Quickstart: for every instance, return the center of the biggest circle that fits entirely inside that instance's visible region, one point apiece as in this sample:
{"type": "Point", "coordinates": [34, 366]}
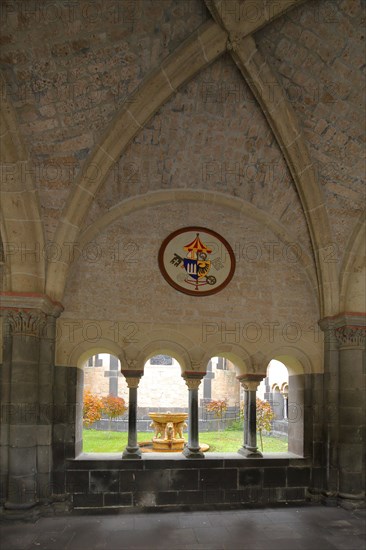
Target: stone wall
{"type": "Point", "coordinates": [156, 483]}
{"type": "Point", "coordinates": [283, 296]}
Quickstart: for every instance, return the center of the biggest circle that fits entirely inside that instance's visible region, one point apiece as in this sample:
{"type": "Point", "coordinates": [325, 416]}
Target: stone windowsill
{"type": "Point", "coordinates": [179, 457]}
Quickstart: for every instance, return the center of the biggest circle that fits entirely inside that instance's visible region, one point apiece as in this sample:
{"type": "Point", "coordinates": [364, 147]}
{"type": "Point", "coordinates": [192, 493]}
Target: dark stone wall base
{"type": "Point", "coordinates": [164, 484]}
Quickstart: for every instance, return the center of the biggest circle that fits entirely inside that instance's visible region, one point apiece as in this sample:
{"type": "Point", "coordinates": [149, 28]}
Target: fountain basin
{"type": "Point", "coordinates": [168, 428]}
{"type": "Point", "coordinates": [168, 446]}
{"type": "Point", "coordinates": [168, 417]}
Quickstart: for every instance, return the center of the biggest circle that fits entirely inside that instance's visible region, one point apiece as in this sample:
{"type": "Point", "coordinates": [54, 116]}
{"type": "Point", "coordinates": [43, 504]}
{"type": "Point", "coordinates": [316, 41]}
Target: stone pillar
{"type": "Point", "coordinates": [285, 405]}
{"type": "Point", "coordinates": [330, 401]}
{"type": "Point", "coordinates": [27, 397]}
{"type": "Point", "coordinates": [352, 421]}
{"type": "Point", "coordinates": [132, 450]}
{"type": "Point", "coordinates": [298, 416]}
{"type": "Point", "coordinates": [344, 409]}
{"type": "Point", "coordinates": [250, 384]}
{"type": "Point", "coordinates": [245, 415]}
{"type": "Point", "coordinates": [24, 330]}
{"type": "Point", "coordinates": [192, 448]}
{"type": "Point", "coordinates": [67, 428]}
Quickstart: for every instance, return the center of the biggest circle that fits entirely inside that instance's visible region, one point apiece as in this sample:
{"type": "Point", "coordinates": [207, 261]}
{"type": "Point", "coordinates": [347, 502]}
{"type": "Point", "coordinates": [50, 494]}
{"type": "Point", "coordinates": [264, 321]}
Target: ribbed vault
{"type": "Point", "coordinates": [232, 29]}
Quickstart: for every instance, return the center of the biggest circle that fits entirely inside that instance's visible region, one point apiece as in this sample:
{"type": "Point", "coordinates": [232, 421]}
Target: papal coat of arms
{"type": "Point", "coordinates": [196, 261]}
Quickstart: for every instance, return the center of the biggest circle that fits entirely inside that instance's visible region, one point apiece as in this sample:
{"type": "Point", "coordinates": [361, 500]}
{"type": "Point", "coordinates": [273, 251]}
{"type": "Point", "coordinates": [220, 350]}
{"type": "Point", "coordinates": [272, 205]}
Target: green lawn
{"type": "Point", "coordinates": [95, 441]}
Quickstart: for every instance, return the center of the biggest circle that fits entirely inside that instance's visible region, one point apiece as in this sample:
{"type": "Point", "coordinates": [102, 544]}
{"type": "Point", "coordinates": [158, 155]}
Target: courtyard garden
{"type": "Point", "coordinates": [229, 441]}
{"type": "Point", "coordinates": [225, 439]}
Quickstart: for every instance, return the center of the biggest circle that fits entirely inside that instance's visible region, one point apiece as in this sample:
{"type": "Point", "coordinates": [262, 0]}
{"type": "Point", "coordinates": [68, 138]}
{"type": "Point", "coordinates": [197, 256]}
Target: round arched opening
{"type": "Point", "coordinates": [104, 404]}
{"type": "Point", "coordinates": [274, 391]}
{"type": "Point", "coordinates": [161, 390]}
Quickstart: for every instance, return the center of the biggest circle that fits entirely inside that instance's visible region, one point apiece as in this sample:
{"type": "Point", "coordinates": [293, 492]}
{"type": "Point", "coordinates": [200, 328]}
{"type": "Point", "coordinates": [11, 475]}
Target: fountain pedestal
{"type": "Point", "coordinates": [168, 428]}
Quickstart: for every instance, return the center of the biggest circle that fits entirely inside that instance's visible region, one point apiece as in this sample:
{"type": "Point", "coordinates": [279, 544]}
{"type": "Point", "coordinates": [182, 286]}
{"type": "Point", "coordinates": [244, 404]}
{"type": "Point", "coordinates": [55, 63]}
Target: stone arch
{"type": "Point", "coordinates": [166, 347]}
{"type": "Point", "coordinates": [161, 387]}
{"type": "Point", "coordinates": [353, 290]}
{"type": "Point", "coordinates": [234, 353]}
{"type": "Point", "coordinates": [213, 197]}
{"type": "Point", "coordinates": [78, 358]}
{"type": "Point", "coordinates": [85, 349]}
{"type": "Point", "coordinates": [21, 225]}
{"type": "Point", "coordinates": [276, 379]}
{"type": "Point", "coordinates": [295, 359]}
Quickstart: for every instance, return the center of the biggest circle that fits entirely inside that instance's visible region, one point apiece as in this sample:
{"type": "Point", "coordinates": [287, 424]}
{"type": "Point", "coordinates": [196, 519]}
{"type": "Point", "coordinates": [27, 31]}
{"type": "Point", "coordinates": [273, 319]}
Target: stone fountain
{"type": "Point", "coordinates": [168, 428]}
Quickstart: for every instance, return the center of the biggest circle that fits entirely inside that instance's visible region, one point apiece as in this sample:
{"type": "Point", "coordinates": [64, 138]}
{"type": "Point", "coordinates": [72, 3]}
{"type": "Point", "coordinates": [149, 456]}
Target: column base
{"type": "Point", "coordinates": [195, 452]}
{"type": "Point", "coordinates": [131, 452]}
{"type": "Point", "coordinates": [22, 512]}
{"type": "Point", "coordinates": [20, 506]}
{"type": "Point", "coordinates": [351, 502]}
{"type": "Point", "coordinates": [250, 452]}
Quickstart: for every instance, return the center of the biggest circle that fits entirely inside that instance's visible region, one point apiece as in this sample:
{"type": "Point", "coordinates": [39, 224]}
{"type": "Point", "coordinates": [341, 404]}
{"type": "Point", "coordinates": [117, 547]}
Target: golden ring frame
{"type": "Point", "coordinates": [196, 229]}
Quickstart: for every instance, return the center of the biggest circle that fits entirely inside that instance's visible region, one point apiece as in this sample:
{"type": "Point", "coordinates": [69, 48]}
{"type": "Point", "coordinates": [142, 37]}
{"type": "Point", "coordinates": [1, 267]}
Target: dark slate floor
{"type": "Point", "coordinates": [312, 527]}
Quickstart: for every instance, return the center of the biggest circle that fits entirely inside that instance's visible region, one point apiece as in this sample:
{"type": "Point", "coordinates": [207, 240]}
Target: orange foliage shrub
{"type": "Point", "coordinates": [217, 406]}
{"type": "Point", "coordinates": [113, 406]}
{"type": "Point", "coordinates": [92, 408]}
{"type": "Point", "coordinates": [265, 415]}
{"type": "Point", "coordinates": [95, 406]}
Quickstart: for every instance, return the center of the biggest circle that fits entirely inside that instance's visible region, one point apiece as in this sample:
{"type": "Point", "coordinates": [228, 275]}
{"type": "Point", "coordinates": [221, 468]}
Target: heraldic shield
{"type": "Point", "coordinates": [196, 261]}
{"type": "Point", "coordinates": [197, 269]}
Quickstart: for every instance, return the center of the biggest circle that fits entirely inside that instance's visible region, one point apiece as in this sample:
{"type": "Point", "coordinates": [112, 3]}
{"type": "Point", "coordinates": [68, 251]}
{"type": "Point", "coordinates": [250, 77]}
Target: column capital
{"type": "Point", "coordinates": [26, 323]}
{"type": "Point", "coordinates": [251, 381]}
{"type": "Point", "coordinates": [193, 379]}
{"type": "Point", "coordinates": [345, 330]}
{"type": "Point", "coordinates": [132, 377]}
{"type": "Point", "coordinates": [346, 318]}
{"type": "Point", "coordinates": [29, 302]}
{"type": "Point", "coordinates": [351, 336]}
{"type": "Point", "coordinates": [327, 323]}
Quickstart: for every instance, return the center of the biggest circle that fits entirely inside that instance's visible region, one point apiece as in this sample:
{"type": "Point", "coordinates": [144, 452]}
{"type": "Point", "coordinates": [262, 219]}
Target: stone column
{"type": "Point", "coordinates": [285, 405]}
{"type": "Point", "coordinates": [132, 450]}
{"type": "Point", "coordinates": [24, 331]}
{"type": "Point", "coordinates": [330, 411]}
{"type": "Point", "coordinates": [192, 448]}
{"type": "Point", "coordinates": [250, 384]}
{"type": "Point", "coordinates": [27, 398]}
{"type": "Point", "coordinates": [352, 421]}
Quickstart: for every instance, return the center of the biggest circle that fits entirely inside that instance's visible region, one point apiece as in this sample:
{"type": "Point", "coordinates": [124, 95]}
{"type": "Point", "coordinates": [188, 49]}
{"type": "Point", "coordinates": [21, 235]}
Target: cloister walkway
{"type": "Point", "coordinates": [309, 527]}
